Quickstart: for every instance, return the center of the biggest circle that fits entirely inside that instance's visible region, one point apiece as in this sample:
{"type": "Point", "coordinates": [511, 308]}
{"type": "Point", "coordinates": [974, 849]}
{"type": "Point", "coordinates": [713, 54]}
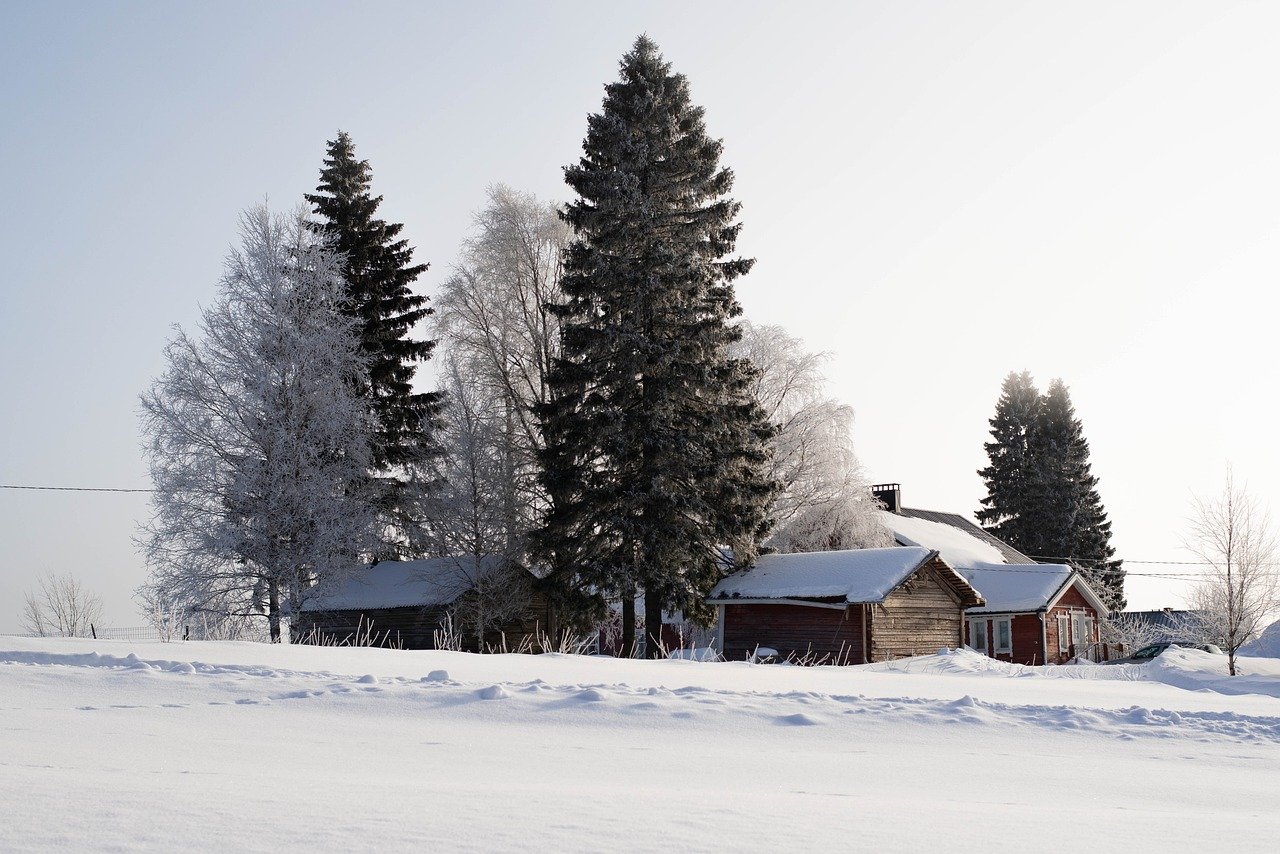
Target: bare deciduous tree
{"type": "Point", "coordinates": [825, 502]}
{"type": "Point", "coordinates": [1131, 631]}
{"type": "Point", "coordinates": [62, 607]}
{"type": "Point", "coordinates": [1232, 534]}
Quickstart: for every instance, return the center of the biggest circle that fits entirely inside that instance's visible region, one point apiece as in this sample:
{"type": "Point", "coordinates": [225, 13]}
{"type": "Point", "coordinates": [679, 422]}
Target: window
{"type": "Point", "coordinates": [978, 635]}
{"type": "Point", "coordinates": [1064, 636]}
{"type": "Point", "coordinates": [1004, 635]}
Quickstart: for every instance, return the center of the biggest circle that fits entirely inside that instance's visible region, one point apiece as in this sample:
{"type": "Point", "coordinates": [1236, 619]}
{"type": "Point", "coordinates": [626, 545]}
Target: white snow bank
{"type": "Point", "coordinates": [116, 746]}
{"type": "Point", "coordinates": [856, 575]}
{"type": "Point", "coordinates": [1266, 645]}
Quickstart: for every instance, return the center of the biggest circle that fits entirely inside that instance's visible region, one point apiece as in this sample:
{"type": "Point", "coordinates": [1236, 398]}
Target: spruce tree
{"type": "Point", "coordinates": [655, 449]}
{"type": "Point", "coordinates": [1042, 497]}
{"type": "Point", "coordinates": [1006, 476]}
{"type": "Point", "coordinates": [1064, 517]}
{"type": "Point", "coordinates": [379, 271]}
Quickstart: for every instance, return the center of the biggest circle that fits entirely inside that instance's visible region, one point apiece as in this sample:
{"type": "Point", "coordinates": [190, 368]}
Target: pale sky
{"type": "Point", "coordinates": [936, 193]}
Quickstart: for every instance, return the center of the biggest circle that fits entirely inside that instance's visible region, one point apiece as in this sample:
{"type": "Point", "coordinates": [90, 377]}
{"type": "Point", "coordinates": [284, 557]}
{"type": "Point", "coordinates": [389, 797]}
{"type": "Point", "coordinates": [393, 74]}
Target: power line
{"type": "Point", "coordinates": [72, 488]}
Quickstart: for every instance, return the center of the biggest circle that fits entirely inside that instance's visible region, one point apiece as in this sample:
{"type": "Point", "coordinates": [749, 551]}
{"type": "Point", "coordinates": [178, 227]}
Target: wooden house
{"type": "Point", "coordinates": [845, 607]}
{"type": "Point", "coordinates": [404, 603]}
{"type": "Point", "coordinates": [1035, 613]}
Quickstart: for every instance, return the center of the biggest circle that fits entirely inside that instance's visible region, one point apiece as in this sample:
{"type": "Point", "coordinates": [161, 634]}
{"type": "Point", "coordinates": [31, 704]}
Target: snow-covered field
{"type": "Point", "coordinates": [228, 746]}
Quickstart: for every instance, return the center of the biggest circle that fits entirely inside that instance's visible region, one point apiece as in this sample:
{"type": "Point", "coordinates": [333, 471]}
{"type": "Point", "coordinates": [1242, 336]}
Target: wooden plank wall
{"type": "Point", "coordinates": [918, 618]}
{"type": "Point", "coordinates": [793, 630]}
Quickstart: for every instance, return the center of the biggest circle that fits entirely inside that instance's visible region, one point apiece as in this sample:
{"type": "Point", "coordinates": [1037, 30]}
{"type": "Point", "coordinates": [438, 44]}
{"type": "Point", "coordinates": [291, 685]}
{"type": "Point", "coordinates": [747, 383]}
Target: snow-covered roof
{"type": "Point", "coordinates": [856, 575]}
{"type": "Point", "coordinates": [1006, 578]}
{"type": "Point", "coordinates": [1015, 588]}
{"type": "Point", "coordinates": [958, 546]}
{"type": "Point", "coordinates": [401, 584]}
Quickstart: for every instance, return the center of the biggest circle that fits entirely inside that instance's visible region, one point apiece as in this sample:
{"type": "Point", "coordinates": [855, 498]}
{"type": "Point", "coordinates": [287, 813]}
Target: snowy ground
{"type": "Point", "coordinates": [119, 745]}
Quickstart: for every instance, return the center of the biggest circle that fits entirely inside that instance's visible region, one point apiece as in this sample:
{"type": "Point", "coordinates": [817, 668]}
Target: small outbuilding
{"type": "Point", "coordinates": [843, 607]}
{"type": "Point", "coordinates": [404, 604]}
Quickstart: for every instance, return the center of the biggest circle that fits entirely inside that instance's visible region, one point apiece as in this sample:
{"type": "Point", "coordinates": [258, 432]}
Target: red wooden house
{"type": "Point", "coordinates": [843, 607]}
{"type": "Point", "coordinates": [1035, 614]}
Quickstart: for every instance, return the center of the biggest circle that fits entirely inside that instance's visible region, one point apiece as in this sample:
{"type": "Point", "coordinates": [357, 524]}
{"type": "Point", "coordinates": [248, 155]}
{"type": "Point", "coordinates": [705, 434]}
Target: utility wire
{"type": "Point", "coordinates": [72, 488]}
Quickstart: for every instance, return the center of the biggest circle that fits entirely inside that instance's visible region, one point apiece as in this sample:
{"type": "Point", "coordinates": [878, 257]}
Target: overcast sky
{"type": "Point", "coordinates": [936, 193]}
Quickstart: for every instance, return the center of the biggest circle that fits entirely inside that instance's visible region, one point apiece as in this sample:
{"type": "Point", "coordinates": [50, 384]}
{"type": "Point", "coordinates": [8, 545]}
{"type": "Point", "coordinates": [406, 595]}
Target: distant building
{"type": "Point", "coordinates": [403, 604]}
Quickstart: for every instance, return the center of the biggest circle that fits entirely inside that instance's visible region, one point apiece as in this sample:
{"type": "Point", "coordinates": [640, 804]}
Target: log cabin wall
{"type": "Point", "coordinates": [919, 617]}
{"type": "Point", "coordinates": [407, 628]}
{"type": "Point", "coordinates": [793, 630]}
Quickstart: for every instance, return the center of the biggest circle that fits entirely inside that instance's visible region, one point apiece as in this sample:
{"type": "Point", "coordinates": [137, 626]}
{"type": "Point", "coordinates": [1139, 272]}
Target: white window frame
{"type": "Point", "coordinates": [1064, 633]}
{"type": "Point", "coordinates": [1007, 622]}
{"type": "Point", "coordinates": [976, 626]}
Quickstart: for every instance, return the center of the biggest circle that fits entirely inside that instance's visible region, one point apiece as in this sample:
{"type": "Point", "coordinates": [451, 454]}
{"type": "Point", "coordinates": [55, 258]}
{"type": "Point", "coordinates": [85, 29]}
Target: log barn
{"type": "Point", "coordinates": [843, 607]}
{"type": "Point", "coordinates": [402, 604]}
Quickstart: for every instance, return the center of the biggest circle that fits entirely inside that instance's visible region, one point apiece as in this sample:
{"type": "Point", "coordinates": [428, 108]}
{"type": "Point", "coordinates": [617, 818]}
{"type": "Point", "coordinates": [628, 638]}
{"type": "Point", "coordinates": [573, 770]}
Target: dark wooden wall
{"type": "Point", "coordinates": [793, 630]}
{"type": "Point", "coordinates": [415, 627]}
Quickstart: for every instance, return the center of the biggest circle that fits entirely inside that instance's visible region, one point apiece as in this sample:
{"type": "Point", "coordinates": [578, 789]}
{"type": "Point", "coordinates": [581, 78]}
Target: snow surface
{"type": "Point", "coordinates": [958, 548]}
{"type": "Point", "coordinates": [398, 584]}
{"type": "Point", "coordinates": [858, 575]}
{"type": "Point", "coordinates": [1267, 644]}
{"type": "Point", "coordinates": [235, 746]}
{"type": "Point", "coordinates": [1015, 587]}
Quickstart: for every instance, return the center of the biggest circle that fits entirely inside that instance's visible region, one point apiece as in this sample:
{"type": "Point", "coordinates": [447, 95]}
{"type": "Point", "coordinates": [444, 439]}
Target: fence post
{"type": "Point", "coordinates": [93, 631]}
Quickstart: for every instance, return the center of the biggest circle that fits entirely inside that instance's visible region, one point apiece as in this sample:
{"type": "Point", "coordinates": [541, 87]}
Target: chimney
{"type": "Point", "coordinates": [888, 494]}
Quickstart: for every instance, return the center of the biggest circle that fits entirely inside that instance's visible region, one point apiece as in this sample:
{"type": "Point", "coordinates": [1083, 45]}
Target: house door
{"type": "Point", "coordinates": [1082, 634]}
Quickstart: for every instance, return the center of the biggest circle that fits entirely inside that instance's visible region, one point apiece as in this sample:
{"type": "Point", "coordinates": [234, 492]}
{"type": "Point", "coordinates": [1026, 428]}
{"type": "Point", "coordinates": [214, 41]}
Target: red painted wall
{"type": "Point", "coordinates": [793, 630]}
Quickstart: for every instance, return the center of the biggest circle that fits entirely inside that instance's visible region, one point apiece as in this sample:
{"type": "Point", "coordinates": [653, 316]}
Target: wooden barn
{"type": "Point", "coordinates": [1034, 614]}
{"type": "Point", "coordinates": [403, 604]}
{"type": "Point", "coordinates": [845, 607]}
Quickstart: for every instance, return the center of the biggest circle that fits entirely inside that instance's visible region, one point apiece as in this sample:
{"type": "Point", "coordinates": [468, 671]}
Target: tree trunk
{"type": "Point", "coordinates": [273, 609]}
{"type": "Point", "coordinates": [628, 622]}
{"type": "Point", "coordinates": [652, 626]}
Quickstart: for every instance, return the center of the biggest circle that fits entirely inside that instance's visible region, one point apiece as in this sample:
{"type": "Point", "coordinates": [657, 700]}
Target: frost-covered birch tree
{"type": "Point", "coordinates": [494, 323]}
{"type": "Point", "coordinates": [1232, 534]}
{"type": "Point", "coordinates": [257, 442]}
{"type": "Point", "coordinates": [825, 501]}
{"type": "Point", "coordinates": [476, 526]}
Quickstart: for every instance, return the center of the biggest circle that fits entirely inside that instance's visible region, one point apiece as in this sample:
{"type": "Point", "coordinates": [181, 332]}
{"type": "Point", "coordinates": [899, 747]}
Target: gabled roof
{"type": "Point", "coordinates": [402, 584]}
{"type": "Point", "coordinates": [1022, 588]}
{"type": "Point", "coordinates": [855, 576]}
{"type": "Point", "coordinates": [961, 542]}
{"type": "Point", "coordinates": [1010, 581]}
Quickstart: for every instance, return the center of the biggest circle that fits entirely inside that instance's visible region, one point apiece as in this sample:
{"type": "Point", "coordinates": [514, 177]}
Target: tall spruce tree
{"type": "Point", "coordinates": [379, 271]}
{"type": "Point", "coordinates": [1042, 497]}
{"type": "Point", "coordinates": [1006, 476]}
{"type": "Point", "coordinates": [1064, 516]}
{"type": "Point", "coordinates": [656, 451]}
